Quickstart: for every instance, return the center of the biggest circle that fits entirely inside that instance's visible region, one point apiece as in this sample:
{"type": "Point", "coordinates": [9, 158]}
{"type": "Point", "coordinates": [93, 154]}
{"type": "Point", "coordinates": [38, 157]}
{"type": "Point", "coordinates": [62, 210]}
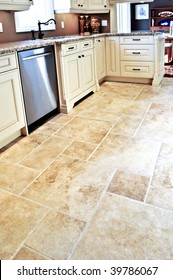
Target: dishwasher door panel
{"type": "Point", "coordinates": [38, 74]}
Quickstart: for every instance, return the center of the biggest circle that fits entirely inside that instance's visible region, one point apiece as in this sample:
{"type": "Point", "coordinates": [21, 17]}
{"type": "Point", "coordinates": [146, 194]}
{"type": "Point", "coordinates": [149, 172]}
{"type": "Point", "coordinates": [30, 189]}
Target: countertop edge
{"type": "Point", "coordinates": [11, 47]}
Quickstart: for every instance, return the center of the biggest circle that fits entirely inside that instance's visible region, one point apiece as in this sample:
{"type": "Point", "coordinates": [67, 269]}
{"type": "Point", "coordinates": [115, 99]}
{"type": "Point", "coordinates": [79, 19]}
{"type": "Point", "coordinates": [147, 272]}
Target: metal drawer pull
{"type": "Point", "coordinates": [136, 39]}
{"type": "Point", "coordinates": [86, 45]}
{"type": "Point", "coordinates": [136, 53]}
{"type": "Point", "coordinates": [136, 69]}
{"type": "Point", "coordinates": [71, 48]}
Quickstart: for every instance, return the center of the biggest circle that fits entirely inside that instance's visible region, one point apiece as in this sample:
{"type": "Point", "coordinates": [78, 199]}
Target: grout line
{"type": "Point", "coordinates": [136, 131]}
{"type": "Point", "coordinates": [149, 185]}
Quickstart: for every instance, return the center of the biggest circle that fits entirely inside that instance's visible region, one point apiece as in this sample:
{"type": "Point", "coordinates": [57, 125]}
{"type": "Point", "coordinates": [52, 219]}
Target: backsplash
{"type": "Point", "coordinates": [71, 26]}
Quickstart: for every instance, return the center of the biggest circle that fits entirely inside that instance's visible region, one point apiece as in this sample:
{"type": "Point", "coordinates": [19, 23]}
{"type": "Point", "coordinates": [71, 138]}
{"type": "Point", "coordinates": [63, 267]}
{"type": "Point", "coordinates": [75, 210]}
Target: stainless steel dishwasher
{"type": "Point", "coordinates": [39, 83]}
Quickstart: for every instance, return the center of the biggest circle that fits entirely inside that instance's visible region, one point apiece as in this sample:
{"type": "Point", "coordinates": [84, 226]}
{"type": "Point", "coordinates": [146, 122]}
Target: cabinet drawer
{"type": "Point", "coordinates": [136, 40]}
{"type": "Point", "coordinates": [7, 62]}
{"type": "Point", "coordinates": [137, 52]}
{"type": "Point", "coordinates": [70, 48]}
{"type": "Point", "coordinates": [86, 44]}
{"type": "Point", "coordinates": [137, 69]}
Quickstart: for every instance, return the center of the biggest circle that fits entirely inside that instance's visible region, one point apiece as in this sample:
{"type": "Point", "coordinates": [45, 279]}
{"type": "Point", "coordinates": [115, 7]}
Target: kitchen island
{"type": "Point", "coordinates": [82, 63]}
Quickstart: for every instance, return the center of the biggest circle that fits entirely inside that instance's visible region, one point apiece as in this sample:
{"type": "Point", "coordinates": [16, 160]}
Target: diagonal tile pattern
{"type": "Point", "coordinates": [94, 184]}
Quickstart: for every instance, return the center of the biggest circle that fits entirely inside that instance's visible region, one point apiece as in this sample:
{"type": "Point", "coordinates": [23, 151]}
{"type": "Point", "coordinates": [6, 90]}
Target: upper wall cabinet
{"type": "Point", "coordinates": [112, 2]}
{"type": "Point", "coordinates": [15, 5]}
{"type": "Point", "coordinates": [81, 6]}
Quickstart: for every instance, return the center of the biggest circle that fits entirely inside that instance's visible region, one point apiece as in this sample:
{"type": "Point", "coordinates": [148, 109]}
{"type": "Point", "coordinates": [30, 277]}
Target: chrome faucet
{"type": "Point", "coordinates": [40, 34]}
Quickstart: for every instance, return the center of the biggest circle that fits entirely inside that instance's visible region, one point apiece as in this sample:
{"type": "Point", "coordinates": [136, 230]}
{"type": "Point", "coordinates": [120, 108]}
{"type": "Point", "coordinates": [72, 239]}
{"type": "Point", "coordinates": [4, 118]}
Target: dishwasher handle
{"type": "Point", "coordinates": [36, 56]}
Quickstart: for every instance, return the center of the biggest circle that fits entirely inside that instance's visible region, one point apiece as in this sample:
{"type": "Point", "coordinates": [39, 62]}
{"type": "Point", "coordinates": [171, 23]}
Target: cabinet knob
{"type": "Point", "coordinates": [105, 6]}
{"type": "Point", "coordinates": [79, 56]}
{"type": "Point", "coordinates": [81, 5]}
{"type": "Point", "coordinates": [83, 55]}
{"type": "Point", "coordinates": [78, 5]}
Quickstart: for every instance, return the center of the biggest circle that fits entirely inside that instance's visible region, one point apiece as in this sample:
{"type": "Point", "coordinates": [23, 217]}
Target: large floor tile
{"type": "Point", "coordinates": [100, 114]}
{"type": "Point", "coordinates": [56, 235]}
{"type": "Point", "coordinates": [42, 157]}
{"type": "Point", "coordinates": [110, 104]}
{"type": "Point", "coordinates": [152, 126]}
{"type": "Point", "coordinates": [156, 94]}
{"type": "Point", "coordinates": [87, 130]}
{"type": "Point", "coordinates": [131, 154]}
{"type": "Point", "coordinates": [122, 229]}
{"type": "Point", "coordinates": [23, 147]}
{"type": "Point", "coordinates": [26, 253]}
{"type": "Point", "coordinates": [161, 190]}
{"type": "Point", "coordinates": [71, 186]}
{"type": "Point", "coordinates": [79, 150]}
{"type": "Point", "coordinates": [128, 184]}
{"type": "Point", "coordinates": [127, 125]}
{"type": "Point", "coordinates": [18, 219]}
{"type": "Point", "coordinates": [15, 178]}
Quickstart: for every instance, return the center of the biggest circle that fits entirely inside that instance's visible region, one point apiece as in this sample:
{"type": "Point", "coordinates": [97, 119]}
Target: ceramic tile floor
{"type": "Point", "coordinates": [94, 184]}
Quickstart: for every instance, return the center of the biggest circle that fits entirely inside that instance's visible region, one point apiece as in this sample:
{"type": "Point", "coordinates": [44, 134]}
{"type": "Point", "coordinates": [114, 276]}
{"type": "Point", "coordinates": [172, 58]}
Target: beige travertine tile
{"type": "Point", "coordinates": [48, 128]}
{"type": "Point", "coordinates": [152, 126]}
{"type": "Point", "coordinates": [79, 150]}
{"type": "Point", "coordinates": [23, 147]}
{"type": "Point", "coordinates": [56, 235]}
{"type": "Point", "coordinates": [121, 87]}
{"type": "Point", "coordinates": [160, 196]}
{"type": "Point", "coordinates": [26, 253]}
{"type": "Point", "coordinates": [127, 125]}
{"type": "Point", "coordinates": [100, 114]}
{"type": "Point", "coordinates": [136, 108]}
{"type": "Point", "coordinates": [159, 107]}
{"type": "Point", "coordinates": [62, 119]}
{"type": "Point", "coordinates": [15, 178]}
{"type": "Point", "coordinates": [136, 155]}
{"type": "Point", "coordinates": [127, 230]}
{"type": "Point", "coordinates": [109, 104]}
{"type": "Point", "coordinates": [130, 185]}
{"type": "Point", "coordinates": [18, 218]}
{"type": "Point", "coordinates": [129, 94]}
{"type": "Point", "coordinates": [161, 190]}
{"type": "Point", "coordinates": [41, 157]}
{"type": "Point", "coordinates": [156, 94]}
{"type": "Point", "coordinates": [82, 129]}
{"type": "Point", "coordinates": [71, 186]}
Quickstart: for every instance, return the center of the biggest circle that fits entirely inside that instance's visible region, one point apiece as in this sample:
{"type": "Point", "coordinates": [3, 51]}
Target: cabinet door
{"type": "Point", "coordinates": [98, 4]}
{"type": "Point", "coordinates": [71, 76]}
{"type": "Point", "coordinates": [78, 4]}
{"type": "Point", "coordinates": [100, 58]}
{"type": "Point", "coordinates": [15, 5]}
{"type": "Point", "coordinates": [11, 106]}
{"type": "Point", "coordinates": [22, 2]}
{"type": "Point", "coordinates": [112, 56]}
{"type": "Point", "coordinates": [87, 73]}
{"type": "Point", "coordinates": [5, 1]}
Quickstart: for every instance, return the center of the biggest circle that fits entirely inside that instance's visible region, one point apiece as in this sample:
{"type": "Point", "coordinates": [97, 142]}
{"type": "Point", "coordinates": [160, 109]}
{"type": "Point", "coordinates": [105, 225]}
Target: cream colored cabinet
{"type": "Point", "coordinates": [78, 4]}
{"type": "Point", "coordinates": [77, 72]}
{"type": "Point", "coordinates": [113, 56]}
{"type": "Point", "coordinates": [97, 5]}
{"type": "Point", "coordinates": [11, 102]}
{"type": "Point", "coordinates": [100, 55]}
{"type": "Point", "coordinates": [84, 6]}
{"type": "Point", "coordinates": [137, 56]}
{"type": "Point", "coordinates": [16, 5]}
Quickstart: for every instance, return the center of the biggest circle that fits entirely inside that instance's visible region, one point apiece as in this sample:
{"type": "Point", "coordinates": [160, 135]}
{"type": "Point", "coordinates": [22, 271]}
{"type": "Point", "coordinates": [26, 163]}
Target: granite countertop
{"type": "Point", "coordinates": [30, 44]}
